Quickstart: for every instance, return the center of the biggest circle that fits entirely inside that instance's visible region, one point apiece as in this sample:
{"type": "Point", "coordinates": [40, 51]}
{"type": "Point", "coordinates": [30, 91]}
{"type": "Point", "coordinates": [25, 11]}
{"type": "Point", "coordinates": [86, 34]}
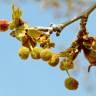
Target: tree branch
{"type": "Point", "coordinates": [63, 25]}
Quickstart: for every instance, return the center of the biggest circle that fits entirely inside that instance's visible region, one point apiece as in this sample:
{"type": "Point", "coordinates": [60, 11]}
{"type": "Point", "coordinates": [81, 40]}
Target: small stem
{"type": "Point", "coordinates": [70, 21]}
{"type": "Point", "coordinates": [87, 13]}
{"type": "Point", "coordinates": [89, 67]}
{"type": "Point", "coordinates": [31, 48]}
{"type": "Point", "coordinates": [68, 73]}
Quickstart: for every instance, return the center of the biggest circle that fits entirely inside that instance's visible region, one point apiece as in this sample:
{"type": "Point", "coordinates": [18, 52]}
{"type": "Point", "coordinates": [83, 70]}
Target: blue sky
{"type": "Point", "coordinates": [36, 78]}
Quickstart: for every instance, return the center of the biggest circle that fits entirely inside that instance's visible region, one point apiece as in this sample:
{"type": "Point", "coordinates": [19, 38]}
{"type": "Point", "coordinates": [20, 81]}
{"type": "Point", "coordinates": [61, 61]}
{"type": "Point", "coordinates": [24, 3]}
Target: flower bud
{"type": "Point", "coordinates": [54, 60]}
{"type": "Point", "coordinates": [35, 53]}
{"type": "Point", "coordinates": [45, 54]}
{"type": "Point", "coordinates": [24, 53]}
{"type": "Point", "coordinates": [4, 25]}
{"type": "Point", "coordinates": [66, 65]}
{"type": "Point", "coordinates": [71, 83]}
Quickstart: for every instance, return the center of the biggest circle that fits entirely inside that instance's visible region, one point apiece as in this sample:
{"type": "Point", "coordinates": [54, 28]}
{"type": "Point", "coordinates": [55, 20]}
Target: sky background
{"type": "Point", "coordinates": [36, 78]}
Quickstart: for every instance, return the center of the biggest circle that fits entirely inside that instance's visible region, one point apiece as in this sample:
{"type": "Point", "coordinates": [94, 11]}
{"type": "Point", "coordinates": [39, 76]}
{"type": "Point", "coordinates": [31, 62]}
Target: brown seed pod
{"type": "Point", "coordinates": [71, 83]}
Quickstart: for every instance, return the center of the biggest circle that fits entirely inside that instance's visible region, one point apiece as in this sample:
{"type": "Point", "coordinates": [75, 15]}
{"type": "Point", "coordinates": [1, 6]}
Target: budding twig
{"type": "Point", "coordinates": [63, 25]}
{"type": "Point", "coordinates": [29, 38]}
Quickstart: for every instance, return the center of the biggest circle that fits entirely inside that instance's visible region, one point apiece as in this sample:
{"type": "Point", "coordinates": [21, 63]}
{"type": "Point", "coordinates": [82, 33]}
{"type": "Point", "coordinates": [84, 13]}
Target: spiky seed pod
{"type": "Point", "coordinates": [71, 83]}
{"type": "Point", "coordinates": [66, 65]}
{"type": "Point", "coordinates": [24, 53]}
{"type": "Point", "coordinates": [35, 53]}
{"type": "Point", "coordinates": [54, 60]}
{"type": "Point", "coordinates": [45, 54]}
{"type": "Point", "coordinates": [4, 25]}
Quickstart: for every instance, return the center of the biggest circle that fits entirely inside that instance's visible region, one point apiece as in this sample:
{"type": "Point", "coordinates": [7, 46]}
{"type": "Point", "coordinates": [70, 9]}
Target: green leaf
{"type": "Point", "coordinates": [16, 12]}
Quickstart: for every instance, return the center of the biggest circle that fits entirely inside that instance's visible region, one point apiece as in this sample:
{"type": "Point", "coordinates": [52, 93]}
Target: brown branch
{"type": "Point", "coordinates": [63, 25]}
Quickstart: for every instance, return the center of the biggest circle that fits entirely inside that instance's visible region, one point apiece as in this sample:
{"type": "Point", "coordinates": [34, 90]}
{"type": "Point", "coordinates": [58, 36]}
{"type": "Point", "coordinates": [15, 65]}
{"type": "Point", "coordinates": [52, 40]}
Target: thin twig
{"type": "Point", "coordinates": [63, 25]}
{"type": "Point", "coordinates": [68, 73]}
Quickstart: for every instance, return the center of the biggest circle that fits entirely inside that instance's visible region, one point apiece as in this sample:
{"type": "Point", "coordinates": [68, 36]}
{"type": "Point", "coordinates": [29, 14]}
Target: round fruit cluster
{"type": "Point", "coordinates": [52, 59]}
{"type": "Point", "coordinates": [39, 53]}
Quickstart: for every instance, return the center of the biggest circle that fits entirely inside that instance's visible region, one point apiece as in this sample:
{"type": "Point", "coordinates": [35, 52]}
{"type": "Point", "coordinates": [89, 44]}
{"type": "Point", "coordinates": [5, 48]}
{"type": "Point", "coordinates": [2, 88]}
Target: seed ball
{"type": "Point", "coordinates": [35, 53]}
{"type": "Point", "coordinates": [4, 25]}
{"type": "Point", "coordinates": [24, 53]}
{"type": "Point", "coordinates": [54, 60]}
{"type": "Point", "coordinates": [45, 54]}
{"type": "Point", "coordinates": [66, 65]}
{"type": "Point", "coordinates": [71, 83]}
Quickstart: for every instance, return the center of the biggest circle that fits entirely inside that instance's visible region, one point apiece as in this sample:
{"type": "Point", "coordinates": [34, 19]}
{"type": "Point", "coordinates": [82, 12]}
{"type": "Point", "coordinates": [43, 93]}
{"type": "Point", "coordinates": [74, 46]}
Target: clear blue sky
{"type": "Point", "coordinates": [36, 78]}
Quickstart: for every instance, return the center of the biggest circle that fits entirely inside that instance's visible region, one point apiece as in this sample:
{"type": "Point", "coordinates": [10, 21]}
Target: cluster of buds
{"type": "Point", "coordinates": [30, 37]}
{"type": "Point", "coordinates": [39, 53]}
